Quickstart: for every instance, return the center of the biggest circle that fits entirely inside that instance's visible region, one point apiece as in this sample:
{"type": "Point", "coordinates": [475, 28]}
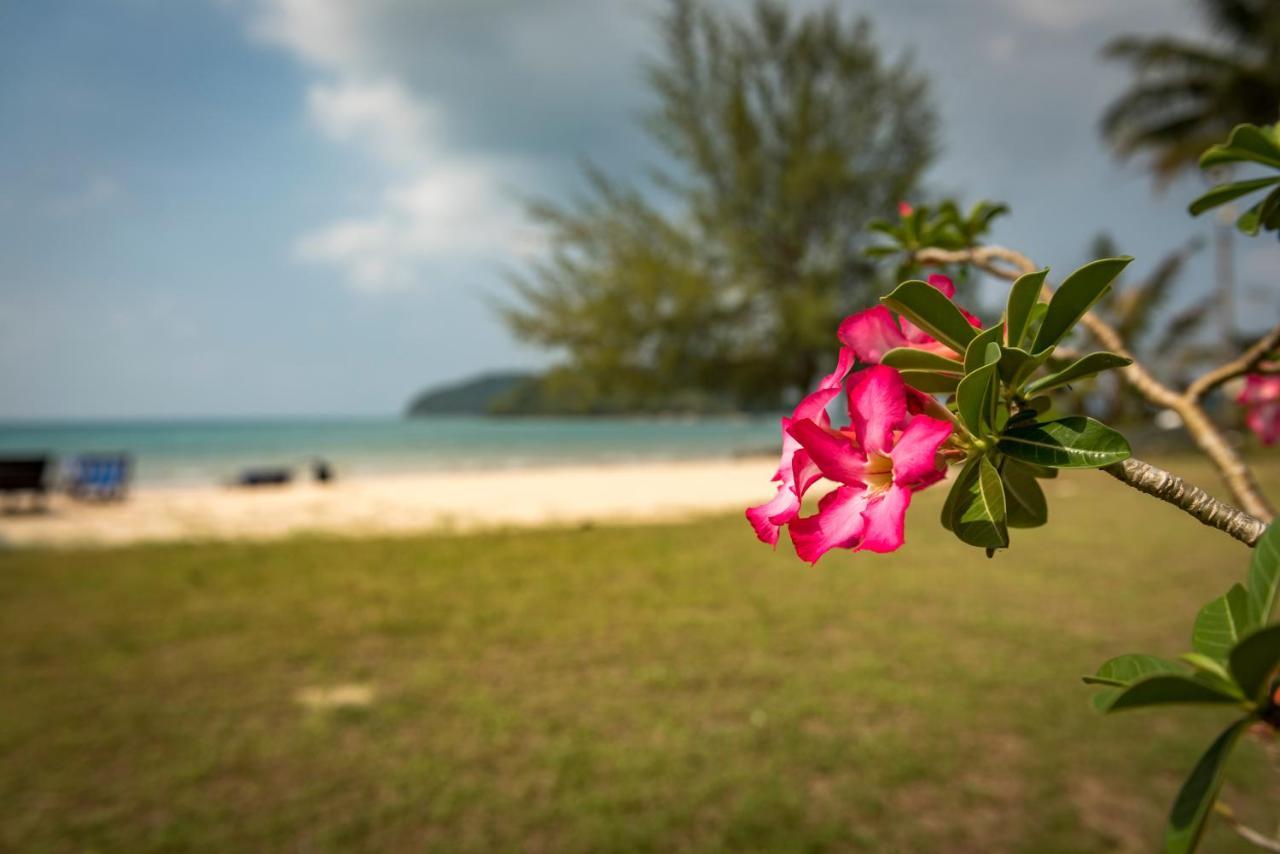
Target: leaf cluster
{"type": "Point", "coordinates": [1247, 144]}
{"type": "Point", "coordinates": [943, 226]}
{"type": "Point", "coordinates": [998, 388]}
{"type": "Point", "coordinates": [1235, 653]}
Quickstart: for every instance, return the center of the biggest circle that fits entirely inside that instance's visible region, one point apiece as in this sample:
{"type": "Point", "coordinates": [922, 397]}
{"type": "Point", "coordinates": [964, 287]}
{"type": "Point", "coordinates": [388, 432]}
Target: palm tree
{"type": "Point", "coordinates": [1187, 95]}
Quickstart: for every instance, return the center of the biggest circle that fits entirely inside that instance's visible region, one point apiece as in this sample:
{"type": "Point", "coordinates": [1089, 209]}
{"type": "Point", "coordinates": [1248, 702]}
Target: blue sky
{"type": "Point", "coordinates": [283, 207]}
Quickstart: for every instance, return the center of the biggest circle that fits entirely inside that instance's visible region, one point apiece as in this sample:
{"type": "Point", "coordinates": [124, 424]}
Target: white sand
{"type": "Point", "coordinates": [403, 504]}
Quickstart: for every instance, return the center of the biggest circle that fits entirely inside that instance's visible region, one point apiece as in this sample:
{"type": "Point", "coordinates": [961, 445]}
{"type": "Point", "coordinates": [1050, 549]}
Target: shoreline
{"type": "Point", "coordinates": [402, 503]}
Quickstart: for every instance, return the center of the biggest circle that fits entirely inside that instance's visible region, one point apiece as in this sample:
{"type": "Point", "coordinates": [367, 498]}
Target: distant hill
{"type": "Point", "coordinates": [475, 396]}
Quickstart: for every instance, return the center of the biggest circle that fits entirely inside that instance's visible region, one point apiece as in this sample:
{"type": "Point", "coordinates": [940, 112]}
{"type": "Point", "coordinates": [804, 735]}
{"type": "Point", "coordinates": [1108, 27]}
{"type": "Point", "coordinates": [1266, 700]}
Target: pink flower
{"type": "Point", "coordinates": [768, 518]}
{"type": "Point", "coordinates": [1261, 399]}
{"type": "Point", "coordinates": [905, 209]}
{"type": "Point", "coordinates": [887, 453]}
{"type": "Point", "coordinates": [874, 332]}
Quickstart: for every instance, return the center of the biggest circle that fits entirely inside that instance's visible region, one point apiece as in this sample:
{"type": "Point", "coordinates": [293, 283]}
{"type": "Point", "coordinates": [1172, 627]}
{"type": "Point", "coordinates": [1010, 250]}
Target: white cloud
{"type": "Point", "coordinates": [440, 204]}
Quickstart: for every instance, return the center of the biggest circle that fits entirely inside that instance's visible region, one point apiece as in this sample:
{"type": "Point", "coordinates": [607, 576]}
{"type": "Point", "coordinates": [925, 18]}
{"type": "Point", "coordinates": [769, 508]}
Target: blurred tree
{"type": "Point", "coordinates": [1187, 95]}
{"type": "Point", "coordinates": [787, 134]}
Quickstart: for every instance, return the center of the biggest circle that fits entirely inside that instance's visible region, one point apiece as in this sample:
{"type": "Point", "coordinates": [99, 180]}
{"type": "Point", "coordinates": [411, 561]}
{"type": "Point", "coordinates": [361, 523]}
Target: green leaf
{"type": "Point", "coordinates": [927, 308]}
{"type": "Point", "coordinates": [1221, 623]}
{"type": "Point", "coordinates": [978, 513]}
{"type": "Point", "coordinates": [1041, 472]}
{"type": "Point", "coordinates": [1224, 193]}
{"type": "Point", "coordinates": [1074, 297]}
{"type": "Point", "coordinates": [975, 397]}
{"type": "Point", "coordinates": [1269, 213]}
{"type": "Point", "coordinates": [975, 355]}
{"type": "Point", "coordinates": [1023, 295]}
{"type": "Point", "coordinates": [1166, 689]}
{"type": "Point", "coordinates": [1017, 364]}
{"type": "Point", "coordinates": [1254, 659]}
{"type": "Point", "coordinates": [1124, 670]}
{"type": "Point", "coordinates": [1085, 366]}
{"type": "Point", "coordinates": [1212, 669]}
{"type": "Point", "coordinates": [1251, 220]}
{"type": "Point", "coordinates": [1196, 797]}
{"type": "Point", "coordinates": [1264, 573]}
{"type": "Point", "coordinates": [1246, 143]}
{"type": "Point", "coordinates": [931, 382]}
{"type": "Point", "coordinates": [958, 488]}
{"type": "Point", "coordinates": [1024, 499]}
{"type": "Point", "coordinates": [909, 358]}
{"type": "Point", "coordinates": [1074, 442]}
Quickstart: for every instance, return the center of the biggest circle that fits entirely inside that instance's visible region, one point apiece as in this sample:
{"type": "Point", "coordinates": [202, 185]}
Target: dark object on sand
{"type": "Point", "coordinates": [24, 474]}
{"type": "Point", "coordinates": [103, 477]}
{"type": "Point", "coordinates": [321, 470]}
{"type": "Point", "coordinates": [264, 477]}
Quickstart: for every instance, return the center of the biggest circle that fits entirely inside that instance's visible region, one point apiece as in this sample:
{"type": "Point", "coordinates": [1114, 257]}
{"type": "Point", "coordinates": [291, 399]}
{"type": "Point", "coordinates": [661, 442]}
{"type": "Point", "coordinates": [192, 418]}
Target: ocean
{"type": "Point", "coordinates": [182, 452]}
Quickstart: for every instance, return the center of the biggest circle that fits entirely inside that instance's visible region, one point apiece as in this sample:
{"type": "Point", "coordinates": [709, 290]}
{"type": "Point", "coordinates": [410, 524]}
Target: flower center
{"type": "Point", "coordinates": [878, 472]}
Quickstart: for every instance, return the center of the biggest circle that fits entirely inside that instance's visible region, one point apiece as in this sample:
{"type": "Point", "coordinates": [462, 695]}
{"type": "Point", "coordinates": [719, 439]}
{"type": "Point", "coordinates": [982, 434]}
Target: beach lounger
{"type": "Point", "coordinates": [264, 477]}
{"type": "Point", "coordinates": [102, 477]}
{"type": "Point", "coordinates": [19, 475]}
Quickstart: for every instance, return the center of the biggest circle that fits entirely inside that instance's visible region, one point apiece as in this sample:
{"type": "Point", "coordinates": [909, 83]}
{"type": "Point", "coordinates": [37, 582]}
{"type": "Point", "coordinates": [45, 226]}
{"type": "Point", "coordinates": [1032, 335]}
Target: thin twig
{"type": "Point", "coordinates": [1193, 500]}
{"type": "Point", "coordinates": [1254, 837]}
{"type": "Point", "coordinates": [1009, 264]}
{"type": "Point", "coordinates": [1247, 363]}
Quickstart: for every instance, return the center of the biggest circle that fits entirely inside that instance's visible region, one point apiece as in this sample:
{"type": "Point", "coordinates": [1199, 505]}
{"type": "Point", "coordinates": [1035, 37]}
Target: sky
{"type": "Point", "coordinates": [310, 207]}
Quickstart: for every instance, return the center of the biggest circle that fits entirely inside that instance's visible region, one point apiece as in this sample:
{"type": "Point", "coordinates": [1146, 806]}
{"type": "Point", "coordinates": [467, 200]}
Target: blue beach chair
{"type": "Point", "coordinates": [103, 477]}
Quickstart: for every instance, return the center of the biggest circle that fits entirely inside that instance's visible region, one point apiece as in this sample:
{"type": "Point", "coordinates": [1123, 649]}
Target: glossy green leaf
{"type": "Point", "coordinates": [1024, 499]}
{"type": "Point", "coordinates": [1085, 366]}
{"type": "Point", "coordinates": [1254, 659]}
{"type": "Point", "coordinates": [978, 513]}
{"type": "Point", "coordinates": [976, 354]}
{"type": "Point", "coordinates": [1016, 365]}
{"type": "Point", "coordinates": [910, 358]}
{"type": "Point", "coordinates": [1124, 670]}
{"type": "Point", "coordinates": [932, 382]}
{"type": "Point", "coordinates": [1246, 143]}
{"type": "Point", "coordinates": [1195, 799]}
{"type": "Point", "coordinates": [1221, 623]}
{"type": "Point", "coordinates": [1166, 689]}
{"type": "Point", "coordinates": [1074, 442]}
{"type": "Point", "coordinates": [976, 394]}
{"type": "Point", "coordinates": [958, 488]}
{"type": "Point", "coordinates": [1074, 297]}
{"type": "Point", "coordinates": [927, 308]}
{"type": "Point", "coordinates": [1212, 669]}
{"type": "Point", "coordinates": [1251, 220]}
{"type": "Point", "coordinates": [1264, 573]}
{"type": "Point", "coordinates": [1224, 193]}
{"type": "Point", "coordinates": [1023, 295]}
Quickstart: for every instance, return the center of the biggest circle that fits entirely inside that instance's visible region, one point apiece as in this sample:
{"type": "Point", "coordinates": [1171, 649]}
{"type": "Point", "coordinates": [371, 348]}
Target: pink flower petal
{"type": "Point", "coordinates": [885, 519]}
{"type": "Point", "coordinates": [837, 524]}
{"type": "Point", "coordinates": [1264, 420]}
{"type": "Point", "coordinates": [871, 333]}
{"type": "Point", "coordinates": [944, 284]}
{"type": "Point", "coordinates": [767, 518]}
{"type": "Point", "coordinates": [844, 364]}
{"type": "Point", "coordinates": [915, 454]}
{"type": "Point", "coordinates": [833, 454]}
{"type": "Point", "coordinates": [805, 473]}
{"type": "Point", "coordinates": [877, 407]}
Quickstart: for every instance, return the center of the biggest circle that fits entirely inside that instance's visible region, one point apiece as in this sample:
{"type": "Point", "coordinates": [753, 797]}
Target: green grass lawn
{"type": "Point", "coordinates": [628, 688]}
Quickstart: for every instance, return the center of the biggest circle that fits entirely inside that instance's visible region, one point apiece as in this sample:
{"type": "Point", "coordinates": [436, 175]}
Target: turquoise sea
{"type": "Point", "coordinates": [212, 451]}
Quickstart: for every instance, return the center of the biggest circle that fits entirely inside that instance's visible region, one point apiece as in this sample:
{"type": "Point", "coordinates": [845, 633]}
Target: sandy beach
{"type": "Point", "coordinates": [401, 504]}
